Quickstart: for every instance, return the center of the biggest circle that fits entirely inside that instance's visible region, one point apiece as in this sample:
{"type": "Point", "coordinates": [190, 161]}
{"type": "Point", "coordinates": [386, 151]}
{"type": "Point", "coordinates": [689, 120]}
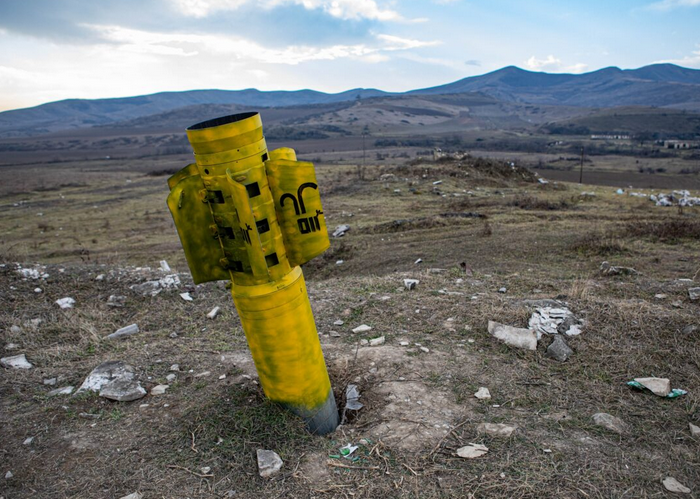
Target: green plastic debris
{"type": "Point", "coordinates": [676, 392]}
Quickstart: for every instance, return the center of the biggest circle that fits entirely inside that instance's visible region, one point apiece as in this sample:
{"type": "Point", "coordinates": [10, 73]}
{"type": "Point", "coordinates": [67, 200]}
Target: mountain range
{"type": "Point", "coordinates": [658, 85]}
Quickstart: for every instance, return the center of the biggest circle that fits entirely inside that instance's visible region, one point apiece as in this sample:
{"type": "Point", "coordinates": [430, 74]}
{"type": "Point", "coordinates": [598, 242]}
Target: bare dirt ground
{"type": "Point", "coordinates": [483, 227]}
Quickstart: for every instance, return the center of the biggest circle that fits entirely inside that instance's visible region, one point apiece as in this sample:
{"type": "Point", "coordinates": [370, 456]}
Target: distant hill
{"type": "Point", "coordinates": [659, 85]}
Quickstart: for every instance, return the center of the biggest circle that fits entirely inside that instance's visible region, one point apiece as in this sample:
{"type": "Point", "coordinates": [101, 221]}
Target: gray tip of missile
{"type": "Point", "coordinates": [325, 419]}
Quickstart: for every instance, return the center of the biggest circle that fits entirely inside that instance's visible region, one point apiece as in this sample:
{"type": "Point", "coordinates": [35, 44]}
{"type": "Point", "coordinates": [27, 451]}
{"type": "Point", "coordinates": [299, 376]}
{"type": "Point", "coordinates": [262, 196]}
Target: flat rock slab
{"type": "Point", "coordinates": [269, 462]}
{"type": "Point", "coordinates": [514, 336]}
{"type": "Point", "coordinates": [610, 422]}
{"type": "Point", "coordinates": [472, 451]}
{"type": "Point", "coordinates": [66, 390]}
{"type": "Point", "coordinates": [123, 390]}
{"type": "Point", "coordinates": [105, 373]}
{"type": "Point", "coordinates": [16, 362]}
{"type": "Point", "coordinates": [496, 429]}
{"type": "Point", "coordinates": [694, 294]}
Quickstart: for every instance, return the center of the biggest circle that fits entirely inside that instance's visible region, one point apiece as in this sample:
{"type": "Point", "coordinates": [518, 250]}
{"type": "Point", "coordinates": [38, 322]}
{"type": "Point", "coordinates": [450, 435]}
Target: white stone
{"type": "Point", "coordinates": [104, 373]}
{"type": "Point", "coordinates": [8, 475]}
{"type": "Point", "coordinates": [610, 422]}
{"type": "Point", "coordinates": [375, 342]}
{"type": "Point", "coordinates": [362, 329]}
{"type": "Point", "coordinates": [28, 441]}
{"type": "Point", "coordinates": [694, 430]}
{"type": "Point", "coordinates": [134, 495]}
{"type": "Point", "coordinates": [164, 266]}
{"type": "Point", "coordinates": [496, 429]}
{"type": "Point", "coordinates": [159, 389]}
{"type": "Point", "coordinates": [673, 485]}
{"type": "Point", "coordinates": [38, 290]}
{"type": "Point", "coordinates": [170, 378]}
{"type": "Point", "coordinates": [404, 343]}
{"type": "Point", "coordinates": [11, 346]}
{"type": "Point", "coordinates": [483, 393]}
{"type": "Point", "coordinates": [338, 323]}
{"type": "Point", "coordinates": [694, 294]}
{"type": "Point", "coordinates": [50, 381]}
{"type": "Point", "coordinates": [66, 302]}
{"type": "Point", "coordinates": [175, 367]}
{"type": "Point", "coordinates": [513, 336]}
{"type": "Point", "coordinates": [203, 374]}
{"type": "Point", "coordinates": [66, 390]}
{"type": "Point", "coordinates": [269, 462]}
{"type": "Point", "coordinates": [186, 296]}
{"type": "Point", "coordinates": [425, 349]}
{"type": "Point", "coordinates": [472, 451]}
{"type": "Point", "coordinates": [658, 386]}
{"type": "Point", "coordinates": [16, 362]}
{"type": "Point", "coordinates": [213, 313]}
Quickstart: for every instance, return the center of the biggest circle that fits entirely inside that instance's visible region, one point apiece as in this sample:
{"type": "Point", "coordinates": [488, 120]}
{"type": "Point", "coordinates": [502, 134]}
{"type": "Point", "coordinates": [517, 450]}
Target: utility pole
{"type": "Point", "coordinates": [580, 173]}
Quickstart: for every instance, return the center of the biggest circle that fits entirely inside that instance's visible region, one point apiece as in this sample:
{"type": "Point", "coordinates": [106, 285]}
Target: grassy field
{"type": "Point", "coordinates": [485, 227]}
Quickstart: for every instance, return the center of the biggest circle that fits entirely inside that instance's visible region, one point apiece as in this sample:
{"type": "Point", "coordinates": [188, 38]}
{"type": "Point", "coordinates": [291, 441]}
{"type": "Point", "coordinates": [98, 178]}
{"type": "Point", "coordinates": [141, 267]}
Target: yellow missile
{"type": "Point", "coordinates": [253, 217]}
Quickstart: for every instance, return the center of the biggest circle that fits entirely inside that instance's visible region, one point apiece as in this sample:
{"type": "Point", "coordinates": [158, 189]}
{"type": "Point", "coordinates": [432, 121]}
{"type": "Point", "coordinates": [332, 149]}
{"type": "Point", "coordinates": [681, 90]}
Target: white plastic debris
{"type": "Point", "coordinates": [420, 260]}
{"type": "Point", "coordinates": [269, 462]}
{"type": "Point", "coordinates": [340, 230]}
{"type": "Point", "coordinates": [214, 312]}
{"type": "Point", "coordinates": [159, 389]}
{"type": "Point", "coordinates": [66, 302]}
{"type": "Point", "coordinates": [124, 332]}
{"type": "Point", "coordinates": [551, 320]}
{"type": "Point", "coordinates": [164, 266]}
{"type": "Point", "coordinates": [352, 398]}
{"type": "Point", "coordinates": [410, 284]}
{"type": "Point", "coordinates": [472, 451]}
{"type": "Point", "coordinates": [347, 450]}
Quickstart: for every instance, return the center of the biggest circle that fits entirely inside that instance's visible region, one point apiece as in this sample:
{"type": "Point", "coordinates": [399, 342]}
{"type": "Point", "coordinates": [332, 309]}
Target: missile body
{"type": "Point", "coordinates": [253, 217]}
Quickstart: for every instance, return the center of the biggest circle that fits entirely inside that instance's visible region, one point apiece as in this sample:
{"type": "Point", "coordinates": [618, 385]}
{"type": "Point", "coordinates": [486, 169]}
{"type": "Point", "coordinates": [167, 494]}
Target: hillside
{"type": "Point", "coordinates": [661, 85]}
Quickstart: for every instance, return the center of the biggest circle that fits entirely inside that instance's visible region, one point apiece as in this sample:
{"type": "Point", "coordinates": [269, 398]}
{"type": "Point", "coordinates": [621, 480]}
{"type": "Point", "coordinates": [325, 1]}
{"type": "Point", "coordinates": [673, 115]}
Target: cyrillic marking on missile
{"type": "Point", "coordinates": [310, 224]}
{"type": "Point", "coordinates": [246, 233]}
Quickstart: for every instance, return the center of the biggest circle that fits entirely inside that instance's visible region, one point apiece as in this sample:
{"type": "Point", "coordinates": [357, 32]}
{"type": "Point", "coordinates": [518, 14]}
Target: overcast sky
{"type": "Point", "coordinates": [57, 49]}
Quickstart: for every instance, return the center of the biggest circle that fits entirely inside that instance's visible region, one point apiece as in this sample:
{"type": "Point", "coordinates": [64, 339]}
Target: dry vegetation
{"type": "Point", "coordinates": [486, 226]}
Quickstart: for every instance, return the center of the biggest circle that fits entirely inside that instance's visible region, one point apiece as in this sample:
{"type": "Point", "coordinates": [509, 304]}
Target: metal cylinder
{"type": "Point", "coordinates": [269, 293]}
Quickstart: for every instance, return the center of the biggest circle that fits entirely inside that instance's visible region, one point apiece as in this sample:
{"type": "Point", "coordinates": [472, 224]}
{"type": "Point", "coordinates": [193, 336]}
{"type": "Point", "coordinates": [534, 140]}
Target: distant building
{"type": "Point", "coordinates": [680, 144]}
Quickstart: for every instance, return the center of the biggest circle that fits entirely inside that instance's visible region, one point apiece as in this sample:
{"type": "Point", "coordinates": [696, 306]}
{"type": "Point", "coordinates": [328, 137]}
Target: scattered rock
{"type": "Point", "coordinates": [410, 284]}
{"type": "Point", "coordinates": [186, 296]}
{"type": "Point", "coordinates": [16, 362]}
{"type": "Point", "coordinates": [66, 390]}
{"type": "Point", "coordinates": [420, 260]}
{"type": "Point", "coordinates": [269, 462]}
{"type": "Point", "coordinates": [543, 303]}
{"type": "Point", "coordinates": [362, 329]}
{"type": "Point", "coordinates": [694, 430]}
{"type": "Point", "coordinates": [159, 389]}
{"type": "Point", "coordinates": [213, 313]}
{"type": "Point", "coordinates": [496, 429]}
{"type": "Point", "coordinates": [28, 441]}
{"type": "Point", "coordinates": [483, 393]}
{"type": "Point", "coordinates": [559, 350]}
{"type": "Point", "coordinates": [560, 320]}
{"type": "Point", "coordinates": [124, 332]}
{"type": "Point", "coordinates": [607, 269]}
{"type": "Point", "coordinates": [660, 296]}
{"type": "Point", "coordinates": [173, 335]}
{"type": "Point", "coordinates": [8, 475]}
{"type": "Point", "coordinates": [38, 290]}
{"type": "Point", "coordinates": [205, 470]}
{"type": "Point", "coordinates": [50, 381]}
{"type": "Point", "coordinates": [689, 329]}
{"type": "Point", "coordinates": [610, 422]}
{"type": "Point", "coordinates": [673, 485]}
{"type": "Point", "coordinates": [164, 266]}
{"type": "Point", "coordinates": [100, 277]}
{"type": "Point", "coordinates": [175, 367]}
{"type": "Point", "coordinates": [152, 288]}
{"type": "Point", "coordinates": [502, 290]}
{"type": "Point", "coordinates": [334, 334]}
{"type": "Point", "coordinates": [339, 262]}
{"type": "Point", "coordinates": [116, 301]}
{"type": "Point", "coordinates": [694, 294]}
{"type": "Point", "coordinates": [340, 230]}
{"type": "Point", "coordinates": [375, 342]}
{"type": "Point", "coordinates": [134, 495]}
{"type": "Point", "coordinates": [677, 304]}
{"type": "Point", "coordinates": [105, 373]}
{"type": "Point", "coordinates": [123, 390]}
{"type": "Point", "coordinates": [171, 377]}
{"type": "Point", "coordinates": [338, 323]}
{"type": "Point", "coordinates": [514, 336]}
{"type": "Point", "coordinates": [11, 346]}
{"type": "Point", "coordinates": [66, 302]}
{"type": "Point", "coordinates": [472, 451]}
{"type": "Point", "coordinates": [404, 343]}
{"type": "Point", "coordinates": [658, 386]}
{"type": "Point", "coordinates": [203, 374]}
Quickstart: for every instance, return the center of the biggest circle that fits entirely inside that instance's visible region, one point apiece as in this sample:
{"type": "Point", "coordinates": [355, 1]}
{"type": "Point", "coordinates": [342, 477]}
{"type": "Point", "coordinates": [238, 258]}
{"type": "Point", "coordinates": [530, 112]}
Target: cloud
{"type": "Point", "coordinates": [554, 65]}
{"type": "Point", "coordinates": [472, 62]}
{"type": "Point", "coordinates": [689, 61]}
{"type": "Point", "coordinates": [673, 4]}
{"type": "Point", "coordinates": [341, 9]}
{"type": "Point", "coordinates": [241, 49]}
